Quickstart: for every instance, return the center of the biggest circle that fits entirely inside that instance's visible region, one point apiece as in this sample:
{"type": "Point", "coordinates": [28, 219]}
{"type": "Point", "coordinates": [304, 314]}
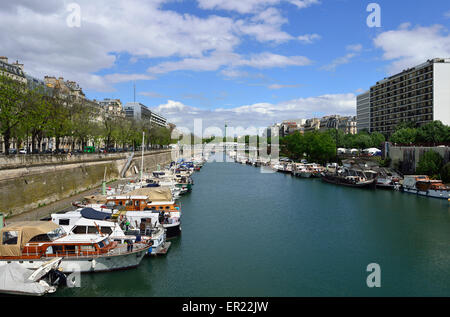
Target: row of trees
{"type": "Point", "coordinates": [39, 114]}
{"type": "Point", "coordinates": [432, 133]}
{"type": "Point", "coordinates": [314, 146]}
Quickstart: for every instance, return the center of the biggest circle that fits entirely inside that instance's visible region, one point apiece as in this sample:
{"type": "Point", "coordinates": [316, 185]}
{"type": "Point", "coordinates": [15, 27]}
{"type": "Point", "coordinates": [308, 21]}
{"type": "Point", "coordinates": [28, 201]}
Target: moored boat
{"type": "Point", "coordinates": [424, 186]}
{"type": "Point", "coordinates": [32, 243]}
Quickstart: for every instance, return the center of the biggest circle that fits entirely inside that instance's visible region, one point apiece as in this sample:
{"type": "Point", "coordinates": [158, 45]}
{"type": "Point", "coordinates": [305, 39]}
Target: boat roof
{"type": "Point", "coordinates": [81, 238]}
{"type": "Point", "coordinates": [91, 222]}
{"type": "Point", "coordinates": [127, 197]}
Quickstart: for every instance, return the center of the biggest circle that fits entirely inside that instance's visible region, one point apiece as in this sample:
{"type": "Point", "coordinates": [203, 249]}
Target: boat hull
{"type": "Point", "coordinates": [442, 194]}
{"type": "Point", "coordinates": [343, 182]}
{"type": "Point", "coordinates": [172, 230]}
{"type": "Point", "coordinates": [88, 264]}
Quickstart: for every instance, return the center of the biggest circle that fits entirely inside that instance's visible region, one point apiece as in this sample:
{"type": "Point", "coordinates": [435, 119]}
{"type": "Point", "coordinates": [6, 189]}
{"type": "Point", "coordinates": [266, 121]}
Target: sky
{"type": "Point", "coordinates": [246, 63]}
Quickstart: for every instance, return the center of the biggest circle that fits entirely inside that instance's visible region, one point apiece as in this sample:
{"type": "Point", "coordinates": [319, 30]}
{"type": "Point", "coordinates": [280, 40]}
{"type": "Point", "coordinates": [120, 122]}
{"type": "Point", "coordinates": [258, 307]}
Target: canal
{"type": "Point", "coordinates": [247, 233]}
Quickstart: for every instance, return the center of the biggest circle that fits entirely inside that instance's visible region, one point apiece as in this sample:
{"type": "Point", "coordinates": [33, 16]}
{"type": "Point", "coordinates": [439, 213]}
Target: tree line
{"type": "Point", "coordinates": [432, 133]}
{"type": "Point", "coordinates": [37, 114]}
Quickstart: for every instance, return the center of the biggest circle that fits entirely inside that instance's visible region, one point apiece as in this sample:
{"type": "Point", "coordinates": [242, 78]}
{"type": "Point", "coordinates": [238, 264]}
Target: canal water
{"type": "Point", "coordinates": [247, 233]}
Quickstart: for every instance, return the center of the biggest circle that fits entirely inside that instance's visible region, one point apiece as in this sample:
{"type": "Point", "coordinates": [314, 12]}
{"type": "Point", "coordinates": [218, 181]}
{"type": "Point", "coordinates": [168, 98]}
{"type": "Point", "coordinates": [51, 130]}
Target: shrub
{"type": "Point", "coordinates": [430, 164]}
{"type": "Point", "coordinates": [445, 173]}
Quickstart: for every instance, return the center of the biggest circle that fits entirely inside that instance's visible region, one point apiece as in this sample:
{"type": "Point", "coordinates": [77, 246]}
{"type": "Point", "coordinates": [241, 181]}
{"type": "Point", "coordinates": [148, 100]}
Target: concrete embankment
{"type": "Point", "coordinates": [30, 182]}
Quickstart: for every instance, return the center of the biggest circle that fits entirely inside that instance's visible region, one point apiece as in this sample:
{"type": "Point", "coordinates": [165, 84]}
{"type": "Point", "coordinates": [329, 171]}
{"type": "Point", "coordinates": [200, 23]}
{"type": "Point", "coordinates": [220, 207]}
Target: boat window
{"type": "Point", "coordinates": [71, 249]}
{"type": "Point", "coordinates": [49, 250]}
{"type": "Point", "coordinates": [87, 248]}
{"type": "Point", "coordinates": [167, 207]}
{"type": "Point", "coordinates": [106, 230]}
{"type": "Point", "coordinates": [79, 230]}
{"type": "Point", "coordinates": [101, 244]}
{"type": "Point", "coordinates": [57, 249]}
{"type": "Point", "coordinates": [55, 234]}
{"type": "Point", "coordinates": [129, 203]}
{"type": "Point", "coordinates": [64, 222]}
{"type": "Point", "coordinates": [106, 242]}
{"type": "Point", "coordinates": [120, 203]}
{"type": "Point", "coordinates": [41, 238]}
{"type": "Point", "coordinates": [92, 229]}
{"type": "Point", "coordinates": [136, 203]}
{"type": "Point", "coordinates": [10, 237]}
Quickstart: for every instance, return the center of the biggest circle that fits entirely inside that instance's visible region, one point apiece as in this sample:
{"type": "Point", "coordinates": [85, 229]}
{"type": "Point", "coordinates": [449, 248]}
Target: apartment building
{"type": "Point", "coordinates": [420, 94]}
{"type": "Point", "coordinates": [363, 111]}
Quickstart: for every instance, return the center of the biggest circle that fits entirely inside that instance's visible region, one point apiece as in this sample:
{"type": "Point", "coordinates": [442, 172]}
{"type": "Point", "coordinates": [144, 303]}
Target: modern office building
{"type": "Point", "coordinates": [420, 94]}
{"type": "Point", "coordinates": [139, 111]}
{"type": "Point", "coordinates": [363, 111]}
{"type": "Point", "coordinates": [158, 120]}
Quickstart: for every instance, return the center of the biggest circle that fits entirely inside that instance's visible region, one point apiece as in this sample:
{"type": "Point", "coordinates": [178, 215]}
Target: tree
{"type": "Point", "coordinates": [445, 173]}
{"type": "Point", "coordinates": [12, 107]}
{"type": "Point", "coordinates": [433, 132]}
{"type": "Point", "coordinates": [377, 139]}
{"type": "Point", "coordinates": [404, 136]}
{"type": "Point", "coordinates": [430, 164]}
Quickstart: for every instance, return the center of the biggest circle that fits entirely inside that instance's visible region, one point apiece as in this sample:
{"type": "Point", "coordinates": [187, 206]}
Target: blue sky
{"type": "Point", "coordinates": [247, 62]}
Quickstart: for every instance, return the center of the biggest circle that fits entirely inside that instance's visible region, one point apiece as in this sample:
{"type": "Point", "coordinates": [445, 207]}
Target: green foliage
{"type": "Point", "coordinates": [404, 136]}
{"type": "Point", "coordinates": [445, 173]}
{"type": "Point", "coordinates": [430, 164]}
{"type": "Point", "coordinates": [25, 113]}
{"type": "Point", "coordinates": [432, 133]}
{"type": "Point", "coordinates": [314, 146]}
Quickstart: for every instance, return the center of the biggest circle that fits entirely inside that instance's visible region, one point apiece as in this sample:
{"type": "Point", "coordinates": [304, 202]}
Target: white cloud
{"type": "Point", "coordinates": [354, 47]}
{"type": "Point", "coordinates": [120, 78]}
{"type": "Point", "coordinates": [447, 14]}
{"type": "Point", "coordinates": [259, 114]}
{"type": "Point", "coordinates": [301, 4]}
{"type": "Point", "coordinates": [407, 46]}
{"type": "Point", "coordinates": [279, 86]}
{"type": "Point", "coordinates": [219, 59]}
{"type": "Point", "coordinates": [241, 6]}
{"type": "Point", "coordinates": [308, 38]}
{"type": "Point", "coordinates": [354, 51]}
{"type": "Point", "coordinates": [151, 94]}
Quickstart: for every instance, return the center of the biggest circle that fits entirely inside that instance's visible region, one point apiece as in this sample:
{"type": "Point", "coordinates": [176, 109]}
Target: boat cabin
{"type": "Point", "coordinates": [36, 239]}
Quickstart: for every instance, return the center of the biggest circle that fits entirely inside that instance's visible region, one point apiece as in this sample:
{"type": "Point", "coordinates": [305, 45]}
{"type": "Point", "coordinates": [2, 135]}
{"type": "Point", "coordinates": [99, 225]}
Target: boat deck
{"type": "Point", "coordinates": [164, 249]}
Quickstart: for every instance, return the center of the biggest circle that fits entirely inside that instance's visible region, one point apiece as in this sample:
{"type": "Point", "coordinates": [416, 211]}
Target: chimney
{"type": "Point", "coordinates": [3, 59]}
{"type": "Point", "coordinates": [18, 65]}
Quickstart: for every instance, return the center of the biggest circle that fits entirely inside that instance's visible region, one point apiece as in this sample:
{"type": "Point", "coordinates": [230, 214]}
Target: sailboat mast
{"type": "Point", "coordinates": [142, 159]}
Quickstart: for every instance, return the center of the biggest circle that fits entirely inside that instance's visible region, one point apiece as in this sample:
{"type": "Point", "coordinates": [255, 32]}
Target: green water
{"type": "Point", "coordinates": [247, 233]}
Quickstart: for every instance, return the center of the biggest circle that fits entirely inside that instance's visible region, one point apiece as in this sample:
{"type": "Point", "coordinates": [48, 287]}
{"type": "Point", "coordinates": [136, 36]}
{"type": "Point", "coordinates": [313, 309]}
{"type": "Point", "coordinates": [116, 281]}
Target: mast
{"type": "Point", "coordinates": [142, 159]}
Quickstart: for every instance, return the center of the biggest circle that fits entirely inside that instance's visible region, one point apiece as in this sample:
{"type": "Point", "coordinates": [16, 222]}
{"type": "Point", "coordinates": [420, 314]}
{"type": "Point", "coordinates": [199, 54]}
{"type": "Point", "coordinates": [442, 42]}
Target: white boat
{"type": "Point", "coordinates": [17, 280]}
{"type": "Point", "coordinates": [33, 243]}
{"type": "Point", "coordinates": [144, 224]}
{"type": "Point", "coordinates": [424, 186]}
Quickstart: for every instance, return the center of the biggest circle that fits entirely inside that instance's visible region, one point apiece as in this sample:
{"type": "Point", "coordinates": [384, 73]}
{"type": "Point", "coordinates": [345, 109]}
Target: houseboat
{"type": "Point", "coordinates": [423, 185]}
{"type": "Point", "coordinates": [351, 178]}
{"type": "Point", "coordinates": [33, 243]}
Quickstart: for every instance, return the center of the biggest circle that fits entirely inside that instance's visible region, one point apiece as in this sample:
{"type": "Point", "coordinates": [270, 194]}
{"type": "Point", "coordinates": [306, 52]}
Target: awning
{"type": "Point", "coordinates": [90, 213]}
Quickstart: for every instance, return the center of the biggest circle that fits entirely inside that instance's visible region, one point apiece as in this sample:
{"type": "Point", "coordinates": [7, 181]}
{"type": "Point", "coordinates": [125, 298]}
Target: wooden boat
{"type": "Point", "coordinates": [351, 177]}
{"type": "Point", "coordinates": [32, 243]}
{"type": "Point", "coordinates": [424, 186]}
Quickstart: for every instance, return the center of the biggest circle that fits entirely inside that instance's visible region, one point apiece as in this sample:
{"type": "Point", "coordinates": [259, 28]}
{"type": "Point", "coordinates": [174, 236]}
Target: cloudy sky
{"type": "Point", "coordinates": [243, 62]}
